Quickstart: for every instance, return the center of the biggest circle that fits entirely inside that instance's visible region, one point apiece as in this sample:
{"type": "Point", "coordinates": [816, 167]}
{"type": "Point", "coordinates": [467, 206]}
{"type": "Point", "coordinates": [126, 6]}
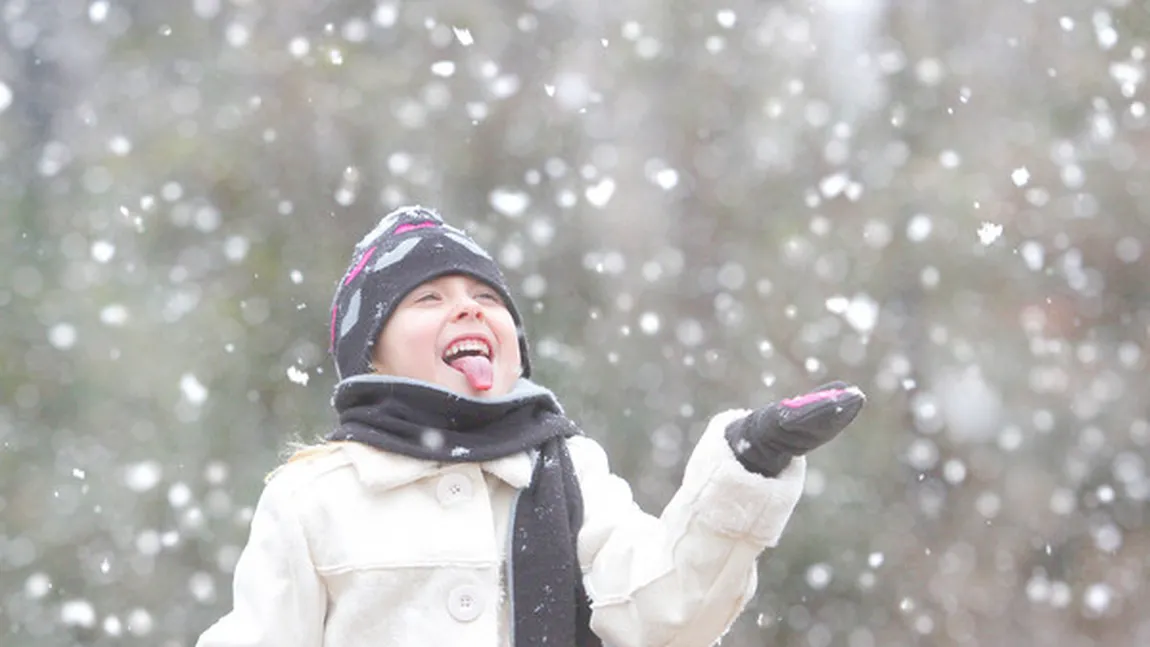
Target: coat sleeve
{"type": "Point", "coordinates": [278, 597]}
{"type": "Point", "coordinates": [682, 578]}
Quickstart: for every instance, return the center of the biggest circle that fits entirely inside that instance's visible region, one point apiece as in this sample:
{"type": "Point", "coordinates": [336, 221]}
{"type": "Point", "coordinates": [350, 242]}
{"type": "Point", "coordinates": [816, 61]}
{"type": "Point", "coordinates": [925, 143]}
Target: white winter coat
{"type": "Point", "coordinates": [357, 547]}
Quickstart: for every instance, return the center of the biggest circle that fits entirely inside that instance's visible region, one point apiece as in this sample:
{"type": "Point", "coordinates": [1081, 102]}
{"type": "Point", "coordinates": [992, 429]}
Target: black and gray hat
{"type": "Point", "coordinates": [409, 246]}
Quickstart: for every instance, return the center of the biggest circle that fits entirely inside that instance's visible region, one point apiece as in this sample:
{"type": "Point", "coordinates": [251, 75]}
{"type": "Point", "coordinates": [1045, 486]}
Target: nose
{"type": "Point", "coordinates": [468, 307]}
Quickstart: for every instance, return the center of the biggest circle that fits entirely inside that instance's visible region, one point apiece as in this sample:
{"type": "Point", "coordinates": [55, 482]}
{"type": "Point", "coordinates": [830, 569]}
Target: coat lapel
{"type": "Point", "coordinates": [380, 470]}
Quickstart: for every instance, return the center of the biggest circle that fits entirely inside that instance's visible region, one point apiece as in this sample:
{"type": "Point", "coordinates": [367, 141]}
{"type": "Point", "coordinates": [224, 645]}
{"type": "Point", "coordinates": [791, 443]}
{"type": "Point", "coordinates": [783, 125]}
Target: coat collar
{"type": "Point", "coordinates": [382, 470]}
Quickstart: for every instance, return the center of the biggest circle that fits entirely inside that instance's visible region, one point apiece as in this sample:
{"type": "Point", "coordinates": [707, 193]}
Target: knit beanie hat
{"type": "Point", "coordinates": [409, 246]}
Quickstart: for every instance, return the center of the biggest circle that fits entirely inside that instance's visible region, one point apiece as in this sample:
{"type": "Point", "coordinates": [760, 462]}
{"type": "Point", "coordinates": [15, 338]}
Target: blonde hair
{"type": "Point", "coordinates": [297, 450]}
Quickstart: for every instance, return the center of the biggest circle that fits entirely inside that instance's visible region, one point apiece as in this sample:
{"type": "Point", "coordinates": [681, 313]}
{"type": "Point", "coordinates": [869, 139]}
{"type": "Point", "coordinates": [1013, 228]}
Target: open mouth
{"type": "Point", "coordinates": [469, 347]}
{"type": "Point", "coordinates": [471, 356]}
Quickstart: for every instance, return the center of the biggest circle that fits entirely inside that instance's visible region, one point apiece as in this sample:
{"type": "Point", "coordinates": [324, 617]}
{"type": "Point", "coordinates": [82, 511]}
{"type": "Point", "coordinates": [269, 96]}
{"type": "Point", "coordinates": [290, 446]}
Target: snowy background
{"type": "Point", "coordinates": [699, 206]}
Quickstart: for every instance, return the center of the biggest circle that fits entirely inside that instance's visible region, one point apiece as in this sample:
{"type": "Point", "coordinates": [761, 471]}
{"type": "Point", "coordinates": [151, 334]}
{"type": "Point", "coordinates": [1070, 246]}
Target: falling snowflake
{"type": "Point", "coordinates": [989, 232]}
{"type": "Point", "coordinates": [192, 389]}
{"type": "Point", "coordinates": [298, 376]}
{"type": "Point", "coordinates": [1020, 176]}
{"type": "Point", "coordinates": [464, 35]}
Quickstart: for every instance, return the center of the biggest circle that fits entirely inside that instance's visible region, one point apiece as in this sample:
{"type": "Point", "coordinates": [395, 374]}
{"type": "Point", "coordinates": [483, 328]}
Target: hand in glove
{"type": "Point", "coordinates": [766, 440]}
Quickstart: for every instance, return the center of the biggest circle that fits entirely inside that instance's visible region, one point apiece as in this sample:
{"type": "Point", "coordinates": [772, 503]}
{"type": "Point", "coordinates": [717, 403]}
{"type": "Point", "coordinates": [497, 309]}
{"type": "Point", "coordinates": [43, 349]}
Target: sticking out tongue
{"type": "Point", "coordinates": [477, 370]}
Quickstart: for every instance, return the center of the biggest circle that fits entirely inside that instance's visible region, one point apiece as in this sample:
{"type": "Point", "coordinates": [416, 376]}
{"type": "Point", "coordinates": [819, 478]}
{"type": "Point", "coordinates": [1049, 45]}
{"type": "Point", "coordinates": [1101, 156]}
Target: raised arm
{"type": "Point", "coordinates": [681, 579]}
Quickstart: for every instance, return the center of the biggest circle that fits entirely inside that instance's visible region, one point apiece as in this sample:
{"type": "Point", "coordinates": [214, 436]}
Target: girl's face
{"type": "Point", "coordinates": [455, 332]}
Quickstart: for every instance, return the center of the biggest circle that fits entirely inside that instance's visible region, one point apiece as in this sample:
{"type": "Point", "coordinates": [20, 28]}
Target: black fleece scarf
{"type": "Point", "coordinates": [424, 421]}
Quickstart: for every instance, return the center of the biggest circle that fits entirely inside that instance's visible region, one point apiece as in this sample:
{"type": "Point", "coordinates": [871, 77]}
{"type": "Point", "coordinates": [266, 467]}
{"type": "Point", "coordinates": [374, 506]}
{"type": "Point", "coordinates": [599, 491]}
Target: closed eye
{"type": "Point", "coordinates": [490, 296]}
{"type": "Point", "coordinates": [427, 297]}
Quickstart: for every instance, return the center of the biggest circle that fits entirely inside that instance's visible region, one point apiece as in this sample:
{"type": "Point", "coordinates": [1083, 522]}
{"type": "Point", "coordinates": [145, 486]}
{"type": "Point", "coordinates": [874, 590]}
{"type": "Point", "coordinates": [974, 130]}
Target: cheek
{"type": "Point", "coordinates": [407, 345]}
{"type": "Point", "coordinates": [510, 337]}
{"type": "Point", "coordinates": [419, 345]}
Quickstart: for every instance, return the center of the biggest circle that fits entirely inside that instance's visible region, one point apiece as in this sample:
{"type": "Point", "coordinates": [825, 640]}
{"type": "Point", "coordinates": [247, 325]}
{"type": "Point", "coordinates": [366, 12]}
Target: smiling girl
{"type": "Point", "coordinates": [453, 331]}
{"type": "Point", "coordinates": [455, 504]}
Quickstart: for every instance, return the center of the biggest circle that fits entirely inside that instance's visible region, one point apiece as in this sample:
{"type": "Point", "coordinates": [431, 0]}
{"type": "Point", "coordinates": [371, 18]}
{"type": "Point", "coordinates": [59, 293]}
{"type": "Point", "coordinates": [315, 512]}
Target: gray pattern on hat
{"type": "Point", "coordinates": [351, 317]}
{"type": "Point", "coordinates": [393, 256]}
{"type": "Point", "coordinates": [385, 223]}
{"type": "Point", "coordinates": [468, 243]}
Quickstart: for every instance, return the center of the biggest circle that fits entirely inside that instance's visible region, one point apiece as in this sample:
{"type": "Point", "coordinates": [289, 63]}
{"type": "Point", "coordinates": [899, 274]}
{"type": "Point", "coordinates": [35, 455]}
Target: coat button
{"type": "Point", "coordinates": [465, 603]}
{"type": "Point", "coordinates": [453, 488]}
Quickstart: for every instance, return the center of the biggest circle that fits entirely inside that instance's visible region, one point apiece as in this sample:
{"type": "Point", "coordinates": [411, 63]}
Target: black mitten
{"type": "Point", "coordinates": [766, 440]}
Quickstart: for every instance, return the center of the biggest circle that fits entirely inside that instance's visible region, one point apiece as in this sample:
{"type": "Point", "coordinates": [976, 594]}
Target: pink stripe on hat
{"type": "Point", "coordinates": [350, 275]}
{"type": "Point", "coordinates": [359, 266]}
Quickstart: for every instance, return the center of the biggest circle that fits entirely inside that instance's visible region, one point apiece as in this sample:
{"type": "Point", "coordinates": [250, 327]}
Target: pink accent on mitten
{"type": "Point", "coordinates": [403, 229]}
{"type": "Point", "coordinates": [810, 398]}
